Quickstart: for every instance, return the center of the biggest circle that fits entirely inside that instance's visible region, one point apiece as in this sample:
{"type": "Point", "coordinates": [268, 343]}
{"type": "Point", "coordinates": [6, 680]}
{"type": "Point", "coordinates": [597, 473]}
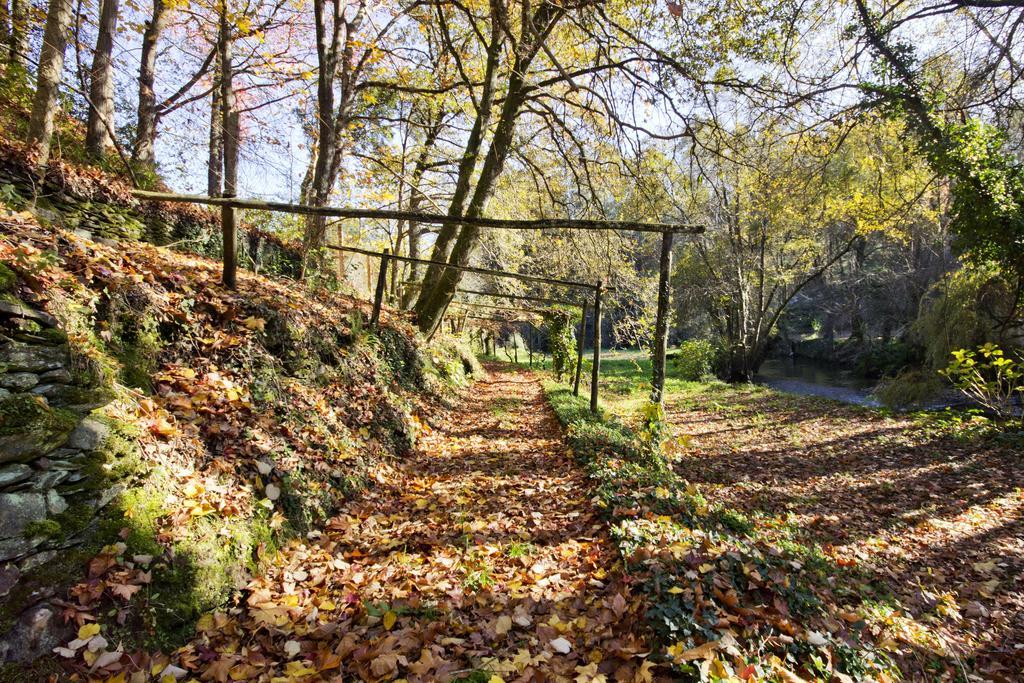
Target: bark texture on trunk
{"type": "Point", "coordinates": [98, 140]}
{"type": "Point", "coordinates": [51, 65]}
{"type": "Point", "coordinates": [229, 135]}
{"type": "Point", "coordinates": [456, 243]}
{"type": "Point", "coordinates": [145, 132]}
{"type": "Point", "coordinates": [17, 44]}
{"type": "Point", "coordinates": [215, 163]}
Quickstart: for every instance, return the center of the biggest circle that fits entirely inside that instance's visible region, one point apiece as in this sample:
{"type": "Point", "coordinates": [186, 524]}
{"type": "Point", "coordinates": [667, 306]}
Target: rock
{"type": "Point", "coordinates": [55, 503]}
{"type": "Point", "coordinates": [10, 548]}
{"type": "Point", "coordinates": [19, 381]}
{"type": "Point", "coordinates": [18, 510]}
{"type": "Point", "coordinates": [33, 358]}
{"type": "Point", "coordinates": [14, 474]}
{"type": "Point", "coordinates": [49, 479]}
{"type": "Point", "coordinates": [13, 310]}
{"type": "Point", "coordinates": [89, 435]}
{"type": "Point", "coordinates": [80, 400]}
{"type": "Point", "coordinates": [63, 454]}
{"type": "Point", "coordinates": [9, 575]}
{"type": "Point", "coordinates": [109, 495]}
{"type": "Point", "coordinates": [58, 376]}
{"type": "Point", "coordinates": [29, 428]}
{"type": "Point", "coordinates": [4, 394]}
{"type": "Point", "coordinates": [39, 629]}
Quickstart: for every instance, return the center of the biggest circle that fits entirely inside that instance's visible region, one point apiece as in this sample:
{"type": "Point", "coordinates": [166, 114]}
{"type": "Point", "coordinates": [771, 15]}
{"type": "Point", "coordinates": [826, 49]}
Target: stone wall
{"type": "Point", "coordinates": [51, 483]}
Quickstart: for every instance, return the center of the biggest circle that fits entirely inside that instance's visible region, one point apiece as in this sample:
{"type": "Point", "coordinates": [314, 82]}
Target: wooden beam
{"type": "Point", "coordinates": [659, 345]}
{"type": "Point", "coordinates": [229, 240]}
{"type": "Point", "coordinates": [595, 372]}
{"type": "Point", "coordinates": [378, 294]}
{"type": "Point", "coordinates": [524, 297]}
{"type": "Point", "coordinates": [417, 217]}
{"type": "Point", "coordinates": [471, 304]}
{"type": "Point", "coordinates": [472, 269]}
{"type": "Point", "coordinates": [579, 351]}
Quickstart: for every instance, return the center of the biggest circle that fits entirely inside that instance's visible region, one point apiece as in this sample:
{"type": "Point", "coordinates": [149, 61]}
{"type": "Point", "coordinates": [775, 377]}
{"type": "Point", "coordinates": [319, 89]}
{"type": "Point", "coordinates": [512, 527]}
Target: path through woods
{"type": "Point", "coordinates": [480, 552]}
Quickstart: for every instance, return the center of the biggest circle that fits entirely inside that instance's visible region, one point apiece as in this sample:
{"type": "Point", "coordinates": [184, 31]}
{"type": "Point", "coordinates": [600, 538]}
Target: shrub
{"type": "Point", "coordinates": [561, 341]}
{"type": "Point", "coordinates": [910, 388]}
{"type": "Point", "coordinates": [695, 360]}
{"type": "Point", "coordinates": [989, 377]}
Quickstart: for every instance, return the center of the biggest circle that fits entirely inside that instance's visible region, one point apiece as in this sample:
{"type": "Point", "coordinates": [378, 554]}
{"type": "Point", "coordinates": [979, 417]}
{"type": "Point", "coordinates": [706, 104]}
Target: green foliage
{"type": "Point", "coordinates": [561, 341]}
{"type": "Point", "coordinates": [909, 388]}
{"type": "Point", "coordinates": [989, 376]}
{"type": "Point", "coordinates": [959, 312]}
{"type": "Point", "coordinates": [7, 278]}
{"type": "Point", "coordinates": [886, 358]}
{"type": "Point", "coordinates": [695, 360]}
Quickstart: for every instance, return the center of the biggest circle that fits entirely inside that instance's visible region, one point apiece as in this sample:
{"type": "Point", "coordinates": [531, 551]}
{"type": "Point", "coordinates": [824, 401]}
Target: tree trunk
{"type": "Point", "coordinates": [18, 39]}
{"type": "Point", "coordinates": [327, 36]}
{"type": "Point", "coordinates": [229, 134]}
{"type": "Point", "coordinates": [215, 164]}
{"type": "Point", "coordinates": [98, 140]}
{"type": "Point", "coordinates": [5, 32]}
{"type": "Point", "coordinates": [440, 283]}
{"type": "Point", "coordinates": [51, 64]}
{"type": "Point", "coordinates": [436, 294]}
{"type": "Point", "coordinates": [145, 132]}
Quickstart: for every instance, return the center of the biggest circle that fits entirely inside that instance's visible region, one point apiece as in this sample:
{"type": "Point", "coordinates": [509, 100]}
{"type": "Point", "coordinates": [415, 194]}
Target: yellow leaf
{"type": "Point", "coordinates": [504, 625]}
{"type": "Point", "coordinates": [495, 679]}
{"type": "Point", "coordinates": [680, 654]}
{"type": "Point", "coordinates": [254, 323]}
{"type": "Point", "coordinates": [675, 590]}
{"type": "Point", "coordinates": [389, 619]}
{"type": "Point", "coordinates": [87, 631]}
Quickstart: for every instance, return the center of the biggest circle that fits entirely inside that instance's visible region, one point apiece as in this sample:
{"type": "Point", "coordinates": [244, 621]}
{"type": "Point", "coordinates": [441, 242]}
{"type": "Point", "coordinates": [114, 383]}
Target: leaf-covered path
{"type": "Point", "coordinates": [479, 555]}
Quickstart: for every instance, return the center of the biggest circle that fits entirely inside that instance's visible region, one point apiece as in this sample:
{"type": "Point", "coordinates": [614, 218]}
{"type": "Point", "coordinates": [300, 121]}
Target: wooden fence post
{"type": "Point", "coordinates": [229, 237]}
{"type": "Point", "coordinates": [579, 351]}
{"type": "Point", "coordinates": [595, 372]}
{"type": "Point", "coordinates": [378, 294]}
{"type": "Point", "coordinates": [659, 347]}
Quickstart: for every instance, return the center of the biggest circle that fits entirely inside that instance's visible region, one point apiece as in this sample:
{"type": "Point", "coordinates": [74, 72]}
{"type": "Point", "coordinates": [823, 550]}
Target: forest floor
{"type": "Point", "coordinates": [479, 557]}
{"type": "Point", "coordinates": [917, 521]}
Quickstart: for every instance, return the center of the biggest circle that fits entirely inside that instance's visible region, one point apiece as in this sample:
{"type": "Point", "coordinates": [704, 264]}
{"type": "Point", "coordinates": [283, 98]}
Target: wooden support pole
{"type": "Point", "coordinates": [579, 351]}
{"type": "Point", "coordinates": [229, 236]}
{"type": "Point", "coordinates": [378, 295]}
{"type": "Point", "coordinates": [595, 372]}
{"type": "Point", "coordinates": [659, 345]}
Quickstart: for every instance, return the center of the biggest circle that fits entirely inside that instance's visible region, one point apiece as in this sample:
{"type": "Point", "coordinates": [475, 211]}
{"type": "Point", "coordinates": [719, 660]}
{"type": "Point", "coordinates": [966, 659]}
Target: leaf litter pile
{"type": "Point", "coordinates": [916, 527]}
{"type": "Point", "coordinates": [479, 553]}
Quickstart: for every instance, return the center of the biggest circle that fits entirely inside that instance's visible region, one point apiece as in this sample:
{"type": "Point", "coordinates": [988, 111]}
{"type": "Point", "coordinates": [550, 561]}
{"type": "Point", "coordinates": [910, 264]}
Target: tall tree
{"type": "Point", "coordinates": [100, 124]}
{"type": "Point", "coordinates": [456, 242]}
{"type": "Point", "coordinates": [337, 23]}
{"type": "Point", "coordinates": [51, 65]}
{"type": "Point", "coordinates": [145, 130]}
{"type": "Point", "coordinates": [17, 45]}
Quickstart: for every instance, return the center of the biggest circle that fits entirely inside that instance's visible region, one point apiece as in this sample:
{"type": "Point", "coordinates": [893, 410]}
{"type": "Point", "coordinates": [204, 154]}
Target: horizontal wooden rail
{"type": "Point", "coordinates": [519, 297]}
{"type": "Point", "coordinates": [524, 297]}
{"type": "Point", "coordinates": [471, 269]}
{"type": "Point", "coordinates": [469, 304]}
{"type": "Point", "coordinates": [417, 217]}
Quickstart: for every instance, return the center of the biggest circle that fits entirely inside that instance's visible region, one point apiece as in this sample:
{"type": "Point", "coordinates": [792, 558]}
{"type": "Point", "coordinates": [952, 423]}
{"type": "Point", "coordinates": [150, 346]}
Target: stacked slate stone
{"type": "Point", "coordinates": [49, 443]}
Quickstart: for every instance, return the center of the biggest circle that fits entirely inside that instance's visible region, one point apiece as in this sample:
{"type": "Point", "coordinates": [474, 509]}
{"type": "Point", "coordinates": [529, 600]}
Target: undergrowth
{"type": "Point", "coordinates": [721, 600]}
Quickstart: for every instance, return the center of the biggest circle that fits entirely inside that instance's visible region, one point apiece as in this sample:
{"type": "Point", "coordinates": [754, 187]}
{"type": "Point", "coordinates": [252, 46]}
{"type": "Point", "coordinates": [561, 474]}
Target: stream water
{"type": "Point", "coordinates": [815, 378]}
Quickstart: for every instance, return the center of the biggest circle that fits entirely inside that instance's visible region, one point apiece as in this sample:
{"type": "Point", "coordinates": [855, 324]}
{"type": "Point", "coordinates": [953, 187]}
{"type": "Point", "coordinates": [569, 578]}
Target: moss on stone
{"type": "Point", "coordinates": [8, 278]}
{"type": "Point", "coordinates": [52, 335]}
{"type": "Point", "coordinates": [47, 528]}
